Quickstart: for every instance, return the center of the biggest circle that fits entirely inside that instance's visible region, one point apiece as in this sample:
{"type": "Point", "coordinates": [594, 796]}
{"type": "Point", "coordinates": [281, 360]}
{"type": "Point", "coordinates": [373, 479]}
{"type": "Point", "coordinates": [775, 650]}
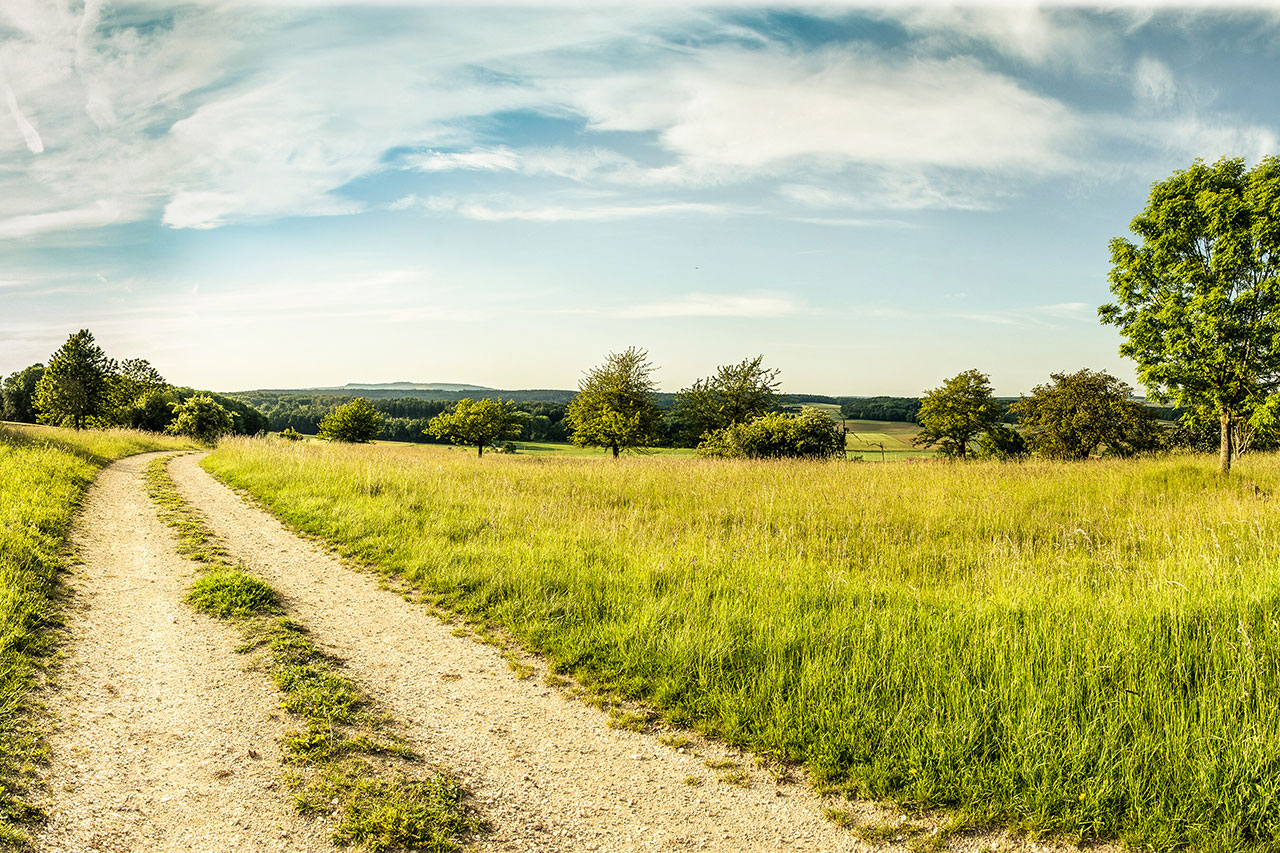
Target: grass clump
{"type": "Point", "coordinates": [348, 761]}
{"type": "Point", "coordinates": [232, 594]}
{"type": "Point", "coordinates": [44, 473]}
{"type": "Point", "coordinates": [1084, 649]}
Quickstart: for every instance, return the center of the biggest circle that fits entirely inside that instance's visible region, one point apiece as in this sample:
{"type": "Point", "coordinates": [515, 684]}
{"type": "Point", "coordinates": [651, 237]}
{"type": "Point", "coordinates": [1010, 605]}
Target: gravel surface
{"type": "Point", "coordinates": [166, 741]}
{"type": "Point", "coordinates": [548, 771]}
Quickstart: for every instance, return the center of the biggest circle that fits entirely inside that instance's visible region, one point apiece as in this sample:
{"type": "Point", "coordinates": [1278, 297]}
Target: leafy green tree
{"type": "Point", "coordinates": [479, 423]}
{"type": "Point", "coordinates": [202, 418]}
{"type": "Point", "coordinates": [735, 394]}
{"type": "Point", "coordinates": [19, 395]}
{"type": "Point", "coordinates": [957, 412]}
{"type": "Point", "coordinates": [1198, 296]}
{"type": "Point", "coordinates": [1076, 414]}
{"type": "Point", "coordinates": [75, 388]}
{"type": "Point", "coordinates": [614, 407]}
{"type": "Point", "coordinates": [357, 421]}
{"type": "Point", "coordinates": [811, 434]}
{"type": "Point", "coordinates": [138, 398]}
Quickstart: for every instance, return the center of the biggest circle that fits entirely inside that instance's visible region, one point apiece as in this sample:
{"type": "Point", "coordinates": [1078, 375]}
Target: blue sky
{"type": "Point", "coordinates": [255, 194]}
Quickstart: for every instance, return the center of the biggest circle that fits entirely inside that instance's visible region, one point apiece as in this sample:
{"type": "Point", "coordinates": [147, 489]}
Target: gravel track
{"type": "Point", "coordinates": [547, 770]}
{"type": "Point", "coordinates": [166, 742]}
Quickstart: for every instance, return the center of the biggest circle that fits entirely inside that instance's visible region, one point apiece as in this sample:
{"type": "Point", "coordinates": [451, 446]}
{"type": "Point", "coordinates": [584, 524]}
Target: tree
{"type": "Point", "coordinates": [20, 395]}
{"type": "Point", "coordinates": [75, 387]}
{"type": "Point", "coordinates": [202, 418]}
{"type": "Point", "coordinates": [614, 407]}
{"type": "Point", "coordinates": [735, 394]}
{"type": "Point", "coordinates": [1198, 297]}
{"type": "Point", "coordinates": [811, 434]}
{"type": "Point", "coordinates": [1003, 443]}
{"type": "Point", "coordinates": [479, 423]}
{"type": "Point", "coordinates": [1078, 413]}
{"type": "Point", "coordinates": [955, 413]}
{"type": "Point", "coordinates": [357, 421]}
{"type": "Point", "coordinates": [138, 397]}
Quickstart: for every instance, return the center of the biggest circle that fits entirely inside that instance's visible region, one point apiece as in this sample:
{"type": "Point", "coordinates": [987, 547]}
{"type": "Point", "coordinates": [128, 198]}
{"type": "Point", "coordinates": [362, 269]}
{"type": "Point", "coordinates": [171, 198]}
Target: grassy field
{"type": "Point", "coordinates": [1090, 649]}
{"type": "Point", "coordinates": [43, 475]}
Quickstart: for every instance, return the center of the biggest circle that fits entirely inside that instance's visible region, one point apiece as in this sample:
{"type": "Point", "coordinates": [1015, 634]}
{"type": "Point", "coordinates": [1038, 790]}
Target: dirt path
{"type": "Point", "coordinates": [549, 772]}
{"type": "Point", "coordinates": [166, 742]}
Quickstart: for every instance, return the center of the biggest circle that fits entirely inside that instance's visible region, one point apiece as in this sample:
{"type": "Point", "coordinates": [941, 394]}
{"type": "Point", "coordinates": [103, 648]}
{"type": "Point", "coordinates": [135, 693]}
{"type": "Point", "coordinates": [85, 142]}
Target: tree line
{"type": "Point", "coordinates": [81, 387]}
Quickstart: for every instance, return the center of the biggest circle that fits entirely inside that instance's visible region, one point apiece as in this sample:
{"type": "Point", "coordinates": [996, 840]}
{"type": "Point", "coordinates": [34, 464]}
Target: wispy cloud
{"type": "Point", "coordinates": [1035, 315]}
{"type": "Point", "coordinates": [587, 210]}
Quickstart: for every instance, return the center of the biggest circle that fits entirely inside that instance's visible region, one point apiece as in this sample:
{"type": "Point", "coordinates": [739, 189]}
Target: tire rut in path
{"type": "Point", "coordinates": [166, 742]}
{"type": "Point", "coordinates": [547, 770]}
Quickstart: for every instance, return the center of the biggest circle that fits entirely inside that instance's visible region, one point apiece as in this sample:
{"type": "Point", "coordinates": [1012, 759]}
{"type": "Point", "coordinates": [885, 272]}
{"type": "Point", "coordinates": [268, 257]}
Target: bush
{"type": "Point", "coordinates": [290, 434]}
{"type": "Point", "coordinates": [201, 418]}
{"type": "Point", "coordinates": [808, 435]}
{"type": "Point", "coordinates": [357, 421]}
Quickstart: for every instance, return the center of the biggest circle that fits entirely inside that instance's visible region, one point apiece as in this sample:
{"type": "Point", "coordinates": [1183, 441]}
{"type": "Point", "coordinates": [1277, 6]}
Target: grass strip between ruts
{"type": "Point", "coordinates": [346, 759]}
{"type": "Point", "coordinates": [44, 474]}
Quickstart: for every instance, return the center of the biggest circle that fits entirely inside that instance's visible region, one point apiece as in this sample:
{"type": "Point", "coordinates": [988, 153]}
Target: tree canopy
{"type": "Point", "coordinates": [614, 407]}
{"type": "Point", "coordinates": [735, 394]}
{"type": "Point", "coordinates": [202, 418]}
{"type": "Point", "coordinates": [479, 423]}
{"type": "Point", "coordinates": [1077, 414]}
{"type": "Point", "coordinates": [75, 388]}
{"type": "Point", "coordinates": [957, 412]}
{"type": "Point", "coordinates": [19, 394]}
{"type": "Point", "coordinates": [1197, 297]}
{"type": "Point", "coordinates": [357, 421]}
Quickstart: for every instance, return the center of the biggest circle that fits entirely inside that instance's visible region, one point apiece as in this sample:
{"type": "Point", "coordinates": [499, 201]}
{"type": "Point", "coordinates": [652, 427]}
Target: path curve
{"type": "Point", "coordinates": [166, 742]}
{"type": "Point", "coordinates": [548, 771]}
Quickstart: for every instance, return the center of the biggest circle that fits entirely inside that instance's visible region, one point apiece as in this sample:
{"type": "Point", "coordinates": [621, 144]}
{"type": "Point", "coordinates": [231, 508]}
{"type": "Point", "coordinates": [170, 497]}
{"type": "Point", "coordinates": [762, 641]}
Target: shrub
{"type": "Point", "coordinates": [808, 435]}
{"type": "Point", "coordinates": [201, 418]}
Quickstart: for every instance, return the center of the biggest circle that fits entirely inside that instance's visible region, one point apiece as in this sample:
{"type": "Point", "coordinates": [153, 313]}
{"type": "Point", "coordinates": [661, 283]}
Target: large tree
{"type": "Point", "coordinates": [1077, 414]}
{"type": "Point", "coordinates": [614, 407]}
{"type": "Point", "coordinates": [20, 394]}
{"type": "Point", "coordinates": [75, 388]}
{"type": "Point", "coordinates": [1197, 297]}
{"type": "Point", "coordinates": [478, 423]}
{"type": "Point", "coordinates": [957, 412]}
{"type": "Point", "coordinates": [734, 395]}
{"type": "Point", "coordinates": [138, 396]}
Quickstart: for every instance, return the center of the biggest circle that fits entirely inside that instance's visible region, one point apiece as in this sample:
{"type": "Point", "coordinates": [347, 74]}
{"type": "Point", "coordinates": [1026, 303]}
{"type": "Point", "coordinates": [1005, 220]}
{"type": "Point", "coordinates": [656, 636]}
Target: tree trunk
{"type": "Point", "coordinates": [615, 451]}
{"type": "Point", "coordinates": [1224, 456]}
{"type": "Point", "coordinates": [480, 449]}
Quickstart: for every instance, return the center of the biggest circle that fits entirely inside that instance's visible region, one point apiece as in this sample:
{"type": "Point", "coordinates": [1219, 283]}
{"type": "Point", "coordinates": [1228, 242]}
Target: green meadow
{"type": "Point", "coordinates": [1084, 649]}
{"type": "Point", "coordinates": [44, 473]}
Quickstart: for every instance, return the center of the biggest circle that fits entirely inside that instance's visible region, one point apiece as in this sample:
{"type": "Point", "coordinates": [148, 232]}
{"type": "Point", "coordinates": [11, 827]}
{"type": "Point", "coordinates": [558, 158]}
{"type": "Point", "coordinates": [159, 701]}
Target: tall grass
{"type": "Point", "coordinates": [1090, 649]}
{"type": "Point", "coordinates": [43, 476]}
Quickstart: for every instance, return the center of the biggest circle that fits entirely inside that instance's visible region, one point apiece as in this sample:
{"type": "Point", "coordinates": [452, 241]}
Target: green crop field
{"type": "Point", "coordinates": [1090, 649]}
{"type": "Point", "coordinates": [44, 472]}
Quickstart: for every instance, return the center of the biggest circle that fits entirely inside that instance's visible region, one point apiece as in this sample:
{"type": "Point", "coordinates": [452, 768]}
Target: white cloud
{"type": "Point", "coordinates": [733, 110]}
{"type": "Point", "coordinates": [101, 213]}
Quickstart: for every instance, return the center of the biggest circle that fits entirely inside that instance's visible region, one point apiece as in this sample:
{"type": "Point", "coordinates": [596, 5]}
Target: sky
{"type": "Point", "coordinates": [256, 194]}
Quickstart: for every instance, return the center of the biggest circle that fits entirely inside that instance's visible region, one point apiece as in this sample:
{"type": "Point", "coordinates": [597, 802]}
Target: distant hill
{"type": "Point", "coordinates": [404, 386]}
